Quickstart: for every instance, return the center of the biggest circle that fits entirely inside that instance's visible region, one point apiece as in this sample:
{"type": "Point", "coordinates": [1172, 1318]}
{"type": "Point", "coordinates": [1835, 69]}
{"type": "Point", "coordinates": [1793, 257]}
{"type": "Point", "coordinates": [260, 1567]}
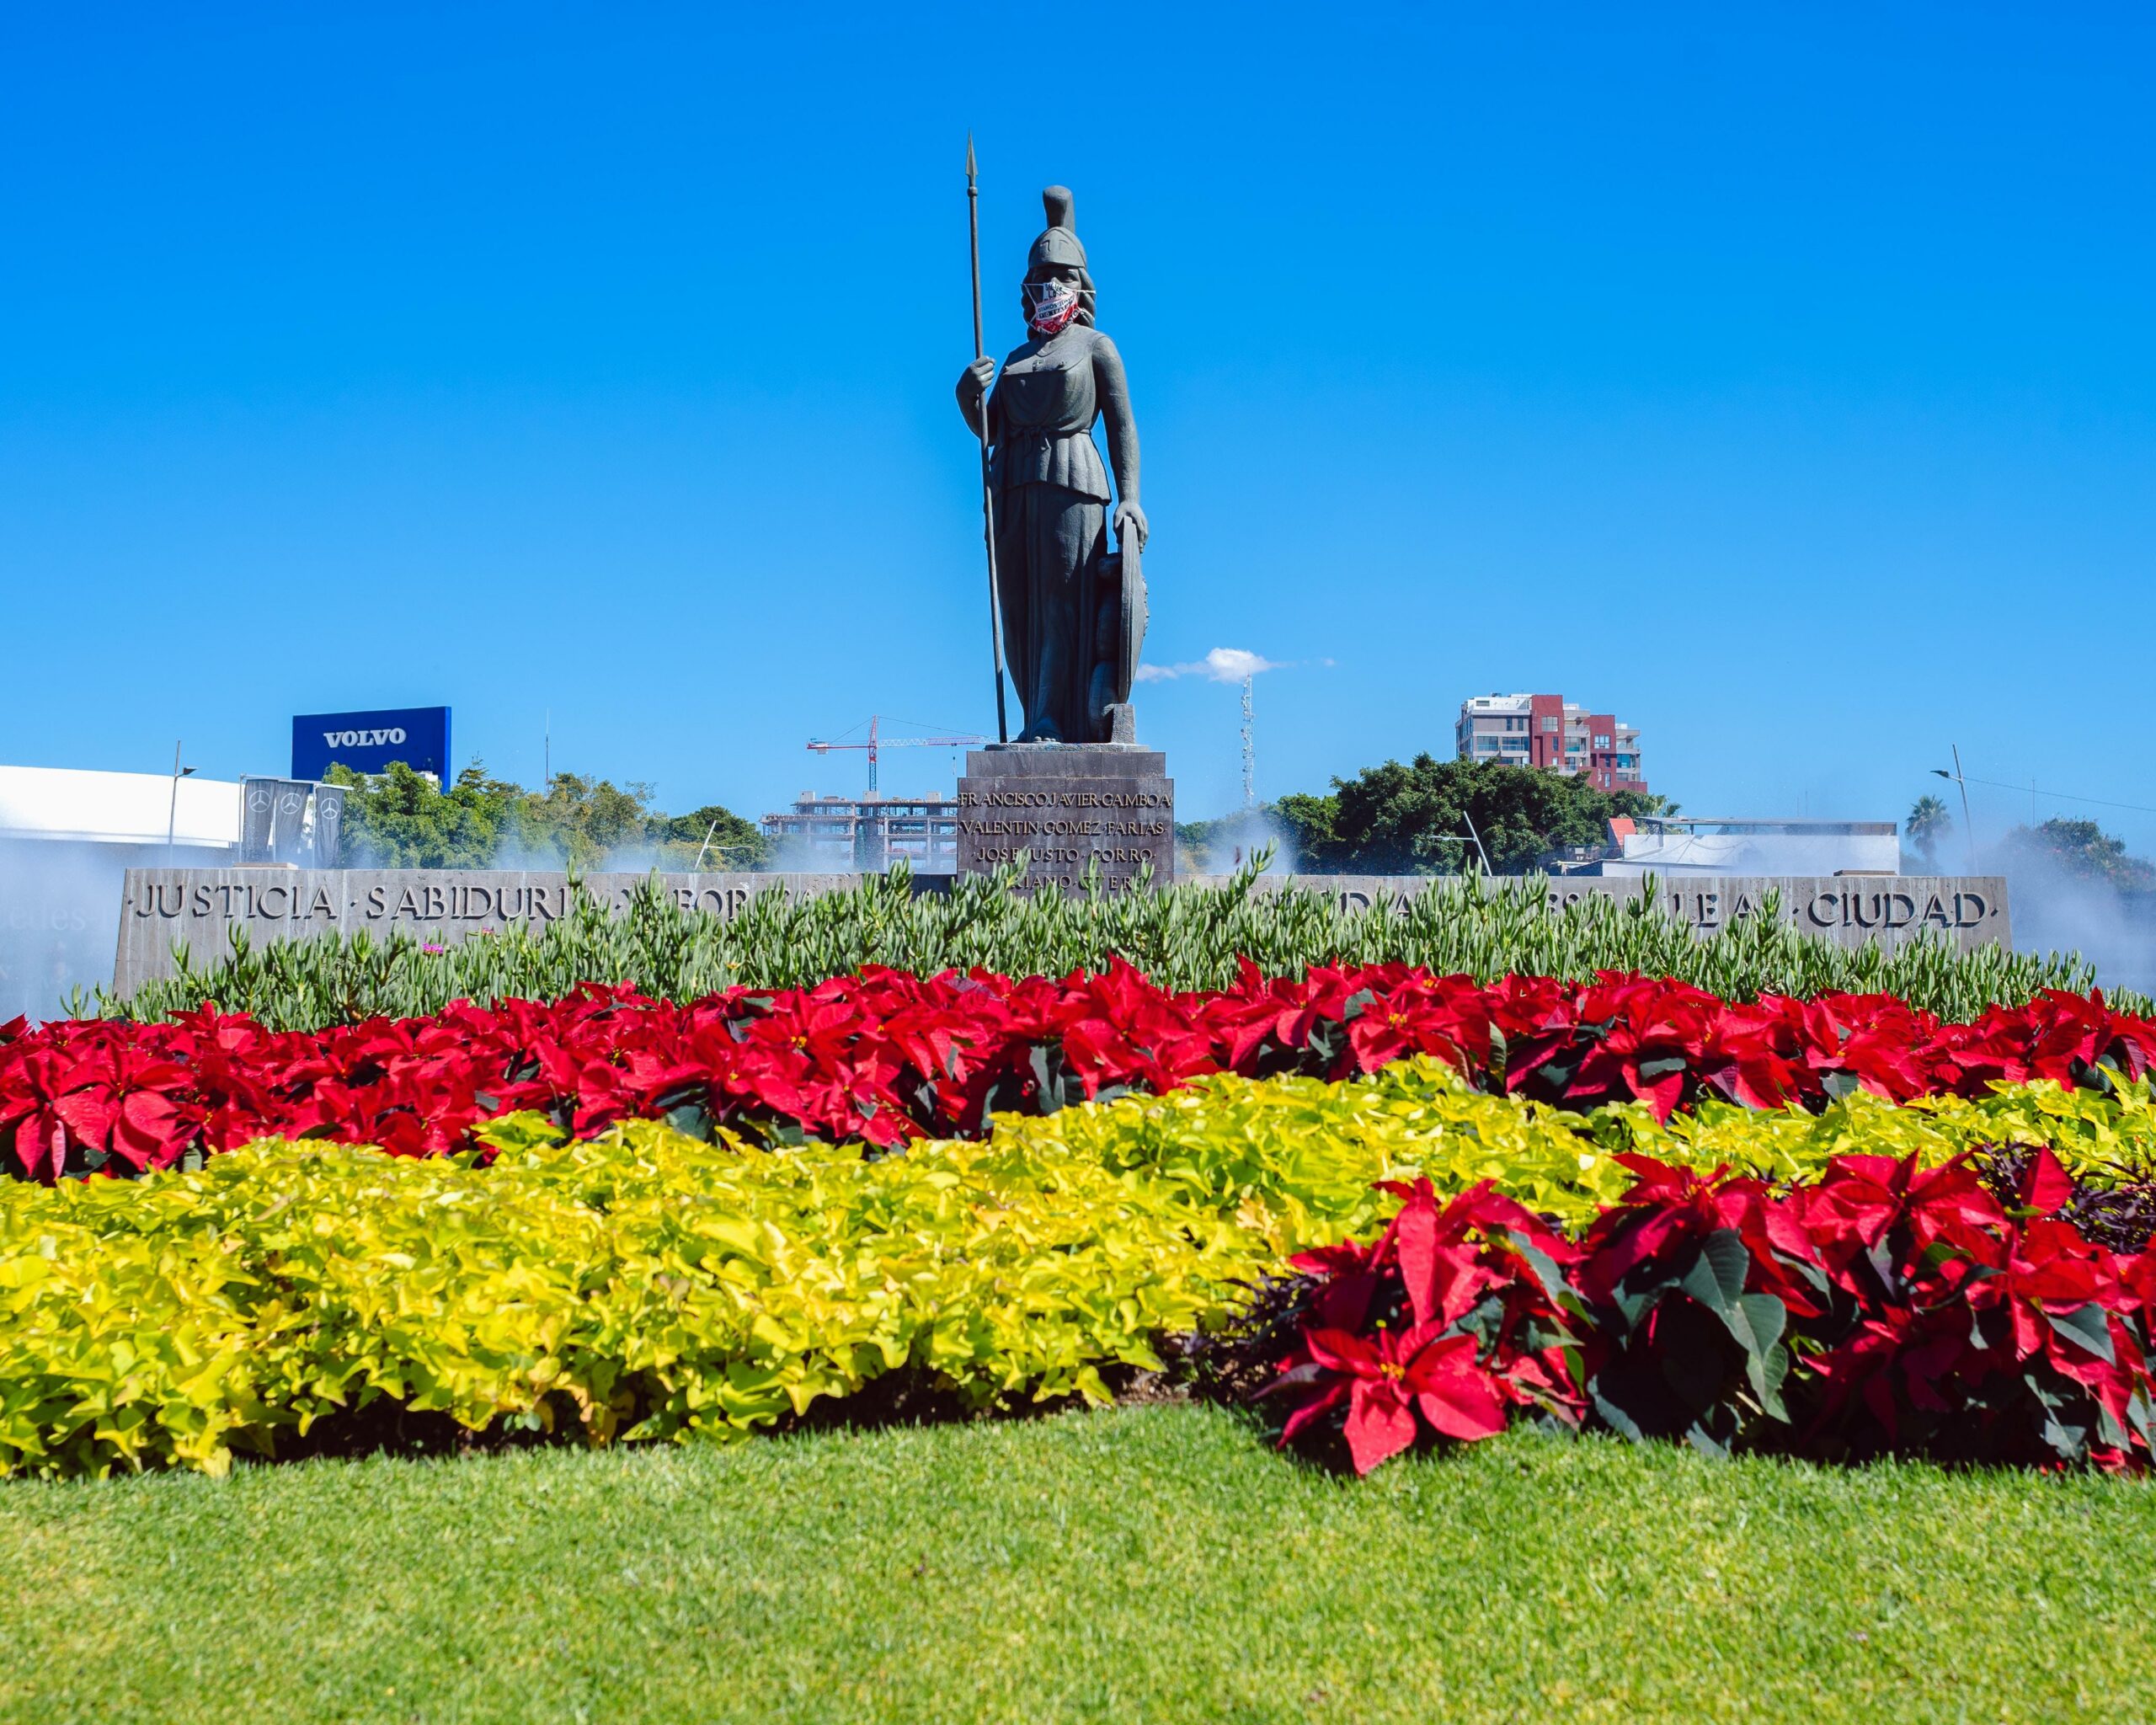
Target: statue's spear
{"type": "Point", "coordinates": [987, 490]}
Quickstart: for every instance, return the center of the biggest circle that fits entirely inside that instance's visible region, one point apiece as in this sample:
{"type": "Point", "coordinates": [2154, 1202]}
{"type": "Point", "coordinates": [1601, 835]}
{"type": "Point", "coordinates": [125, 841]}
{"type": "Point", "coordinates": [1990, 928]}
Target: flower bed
{"type": "Point", "coordinates": [648, 1284]}
{"type": "Point", "coordinates": [1882, 1307]}
{"type": "Point", "coordinates": [887, 1057]}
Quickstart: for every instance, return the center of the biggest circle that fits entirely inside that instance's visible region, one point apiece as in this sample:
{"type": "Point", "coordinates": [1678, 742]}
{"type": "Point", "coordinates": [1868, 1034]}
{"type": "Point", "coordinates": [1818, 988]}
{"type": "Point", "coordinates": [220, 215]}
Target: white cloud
{"type": "Point", "coordinates": [1223, 665]}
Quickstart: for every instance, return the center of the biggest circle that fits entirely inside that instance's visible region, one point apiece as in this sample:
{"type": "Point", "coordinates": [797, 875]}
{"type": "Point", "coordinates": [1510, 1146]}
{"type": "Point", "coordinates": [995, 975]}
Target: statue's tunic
{"type": "Point", "coordinates": [1051, 517]}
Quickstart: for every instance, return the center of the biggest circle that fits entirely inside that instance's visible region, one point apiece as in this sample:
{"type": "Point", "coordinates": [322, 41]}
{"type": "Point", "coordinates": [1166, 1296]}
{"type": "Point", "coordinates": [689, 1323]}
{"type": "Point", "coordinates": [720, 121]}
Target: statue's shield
{"type": "Point", "coordinates": [1130, 622]}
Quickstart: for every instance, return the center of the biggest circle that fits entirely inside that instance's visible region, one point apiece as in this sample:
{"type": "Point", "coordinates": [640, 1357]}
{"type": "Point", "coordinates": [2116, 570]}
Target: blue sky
{"type": "Point", "coordinates": [1778, 377]}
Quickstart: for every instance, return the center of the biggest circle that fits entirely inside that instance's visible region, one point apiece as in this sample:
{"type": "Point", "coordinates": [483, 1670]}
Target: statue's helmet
{"type": "Point", "coordinates": [1059, 247]}
{"type": "Point", "coordinates": [1060, 244]}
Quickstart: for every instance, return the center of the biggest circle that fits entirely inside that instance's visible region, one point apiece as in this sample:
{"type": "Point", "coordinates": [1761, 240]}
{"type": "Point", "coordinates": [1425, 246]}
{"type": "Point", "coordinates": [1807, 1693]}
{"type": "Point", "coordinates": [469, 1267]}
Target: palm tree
{"type": "Point", "coordinates": [1929, 823]}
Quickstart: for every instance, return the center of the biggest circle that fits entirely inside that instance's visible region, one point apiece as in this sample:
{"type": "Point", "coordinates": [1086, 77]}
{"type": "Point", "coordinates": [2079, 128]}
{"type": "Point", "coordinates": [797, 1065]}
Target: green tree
{"type": "Point", "coordinates": [1230, 841]}
{"type": "Point", "coordinates": [734, 843]}
{"type": "Point", "coordinates": [2079, 848]}
{"type": "Point", "coordinates": [1928, 824]}
{"type": "Point", "coordinates": [1194, 846]}
{"type": "Point", "coordinates": [580, 822]}
{"type": "Point", "coordinates": [400, 818]}
{"type": "Point", "coordinates": [1309, 821]}
{"type": "Point", "coordinates": [1424, 818]}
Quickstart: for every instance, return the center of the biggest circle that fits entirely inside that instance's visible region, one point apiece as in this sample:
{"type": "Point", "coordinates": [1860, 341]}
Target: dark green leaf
{"type": "Point", "coordinates": [1716, 1277]}
{"type": "Point", "coordinates": [2085, 1326]}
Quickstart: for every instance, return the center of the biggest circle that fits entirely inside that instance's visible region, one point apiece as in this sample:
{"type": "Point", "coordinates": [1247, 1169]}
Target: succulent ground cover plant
{"type": "Point", "coordinates": [1185, 938]}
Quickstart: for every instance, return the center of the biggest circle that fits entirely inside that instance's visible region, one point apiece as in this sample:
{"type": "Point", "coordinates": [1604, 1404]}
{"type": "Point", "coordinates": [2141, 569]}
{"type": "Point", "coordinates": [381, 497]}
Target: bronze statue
{"type": "Point", "coordinates": [1074, 612]}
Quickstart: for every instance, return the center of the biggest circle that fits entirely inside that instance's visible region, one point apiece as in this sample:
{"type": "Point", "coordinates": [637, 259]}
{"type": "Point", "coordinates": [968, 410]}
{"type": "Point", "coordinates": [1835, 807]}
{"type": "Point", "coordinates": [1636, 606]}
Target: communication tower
{"type": "Point", "coordinates": [1250, 752]}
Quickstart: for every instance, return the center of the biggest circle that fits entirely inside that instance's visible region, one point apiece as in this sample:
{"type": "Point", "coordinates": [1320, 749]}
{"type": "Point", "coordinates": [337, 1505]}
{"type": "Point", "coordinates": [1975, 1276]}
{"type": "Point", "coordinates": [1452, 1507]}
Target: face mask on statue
{"type": "Point", "coordinates": [1053, 303]}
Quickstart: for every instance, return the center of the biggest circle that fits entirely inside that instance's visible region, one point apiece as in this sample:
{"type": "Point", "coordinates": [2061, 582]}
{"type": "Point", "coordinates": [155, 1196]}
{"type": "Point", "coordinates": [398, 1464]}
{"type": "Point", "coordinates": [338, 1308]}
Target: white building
{"type": "Point", "coordinates": [67, 840]}
{"type": "Point", "coordinates": [60, 805]}
{"type": "Point", "coordinates": [1667, 845]}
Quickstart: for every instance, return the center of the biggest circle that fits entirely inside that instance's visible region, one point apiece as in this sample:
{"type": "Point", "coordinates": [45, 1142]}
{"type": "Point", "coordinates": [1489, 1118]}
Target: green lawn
{"type": "Point", "coordinates": [1147, 1564]}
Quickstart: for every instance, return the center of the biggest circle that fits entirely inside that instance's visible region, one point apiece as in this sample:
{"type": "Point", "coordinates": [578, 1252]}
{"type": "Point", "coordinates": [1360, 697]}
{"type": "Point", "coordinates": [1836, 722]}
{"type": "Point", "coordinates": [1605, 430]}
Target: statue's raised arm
{"type": "Point", "coordinates": [1073, 611]}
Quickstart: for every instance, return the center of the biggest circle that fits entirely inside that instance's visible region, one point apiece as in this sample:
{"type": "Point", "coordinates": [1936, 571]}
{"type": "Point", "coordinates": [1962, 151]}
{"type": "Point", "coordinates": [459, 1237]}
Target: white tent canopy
{"type": "Point", "coordinates": [63, 804]}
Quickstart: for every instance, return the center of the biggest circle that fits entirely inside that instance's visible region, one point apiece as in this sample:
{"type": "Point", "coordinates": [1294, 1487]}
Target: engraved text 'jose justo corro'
{"type": "Point", "coordinates": [1064, 824]}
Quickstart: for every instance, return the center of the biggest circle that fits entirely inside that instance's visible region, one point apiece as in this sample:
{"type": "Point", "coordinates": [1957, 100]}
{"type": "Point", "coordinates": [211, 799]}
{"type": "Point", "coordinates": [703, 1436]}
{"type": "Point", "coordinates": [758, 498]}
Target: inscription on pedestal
{"type": "Point", "coordinates": [1066, 807]}
{"type": "Point", "coordinates": [203, 907]}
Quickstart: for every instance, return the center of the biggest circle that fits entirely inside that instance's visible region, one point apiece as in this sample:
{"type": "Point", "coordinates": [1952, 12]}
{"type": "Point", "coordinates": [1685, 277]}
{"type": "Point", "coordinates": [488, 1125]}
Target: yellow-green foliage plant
{"type": "Point", "coordinates": [1293, 1142]}
{"type": "Point", "coordinates": [649, 1284]}
{"type": "Point", "coordinates": [644, 1284]}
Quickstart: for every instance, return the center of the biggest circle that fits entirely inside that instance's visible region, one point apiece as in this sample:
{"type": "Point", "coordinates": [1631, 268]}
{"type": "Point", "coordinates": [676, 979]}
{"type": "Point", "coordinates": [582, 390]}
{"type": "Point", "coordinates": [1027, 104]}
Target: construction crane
{"type": "Point", "coordinates": [877, 743]}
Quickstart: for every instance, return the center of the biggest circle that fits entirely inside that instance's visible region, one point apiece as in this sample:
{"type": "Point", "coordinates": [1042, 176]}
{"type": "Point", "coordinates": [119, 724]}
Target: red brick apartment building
{"type": "Point", "coordinates": [1548, 730]}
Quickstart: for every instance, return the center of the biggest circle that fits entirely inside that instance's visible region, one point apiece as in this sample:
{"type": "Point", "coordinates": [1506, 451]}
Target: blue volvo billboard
{"type": "Point", "coordinates": [367, 742]}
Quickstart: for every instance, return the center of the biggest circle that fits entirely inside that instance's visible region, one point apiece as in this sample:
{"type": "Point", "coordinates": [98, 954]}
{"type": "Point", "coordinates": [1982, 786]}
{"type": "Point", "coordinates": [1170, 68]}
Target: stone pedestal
{"type": "Point", "coordinates": [1066, 805]}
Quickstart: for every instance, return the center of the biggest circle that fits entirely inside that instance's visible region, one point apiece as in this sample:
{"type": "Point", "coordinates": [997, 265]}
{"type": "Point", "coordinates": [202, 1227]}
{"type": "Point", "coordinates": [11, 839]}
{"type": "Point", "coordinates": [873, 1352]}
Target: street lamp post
{"type": "Point", "coordinates": [1968, 826]}
{"type": "Point", "coordinates": [172, 809]}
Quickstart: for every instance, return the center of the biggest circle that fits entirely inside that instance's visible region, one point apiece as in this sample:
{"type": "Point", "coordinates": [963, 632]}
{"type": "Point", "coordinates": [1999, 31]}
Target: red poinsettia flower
{"type": "Point", "coordinates": [1387, 1378]}
{"type": "Point", "coordinates": [31, 1121]}
{"type": "Point", "coordinates": [1862, 1199]}
{"type": "Point", "coordinates": [885, 1055]}
{"type": "Point", "coordinates": [133, 1106]}
{"type": "Point", "coordinates": [1440, 1250]}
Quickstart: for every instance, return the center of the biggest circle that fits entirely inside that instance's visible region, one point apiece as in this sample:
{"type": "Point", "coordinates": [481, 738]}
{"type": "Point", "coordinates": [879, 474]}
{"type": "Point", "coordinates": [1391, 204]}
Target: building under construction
{"type": "Point", "coordinates": [867, 833]}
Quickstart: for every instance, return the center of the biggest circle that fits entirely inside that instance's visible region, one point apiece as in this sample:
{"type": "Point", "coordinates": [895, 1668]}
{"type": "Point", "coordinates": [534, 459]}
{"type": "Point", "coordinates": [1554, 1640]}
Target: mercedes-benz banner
{"type": "Point", "coordinates": [367, 742]}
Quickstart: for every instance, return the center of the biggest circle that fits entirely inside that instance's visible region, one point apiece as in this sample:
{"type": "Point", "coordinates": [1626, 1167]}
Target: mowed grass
{"type": "Point", "coordinates": [1153, 1563]}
